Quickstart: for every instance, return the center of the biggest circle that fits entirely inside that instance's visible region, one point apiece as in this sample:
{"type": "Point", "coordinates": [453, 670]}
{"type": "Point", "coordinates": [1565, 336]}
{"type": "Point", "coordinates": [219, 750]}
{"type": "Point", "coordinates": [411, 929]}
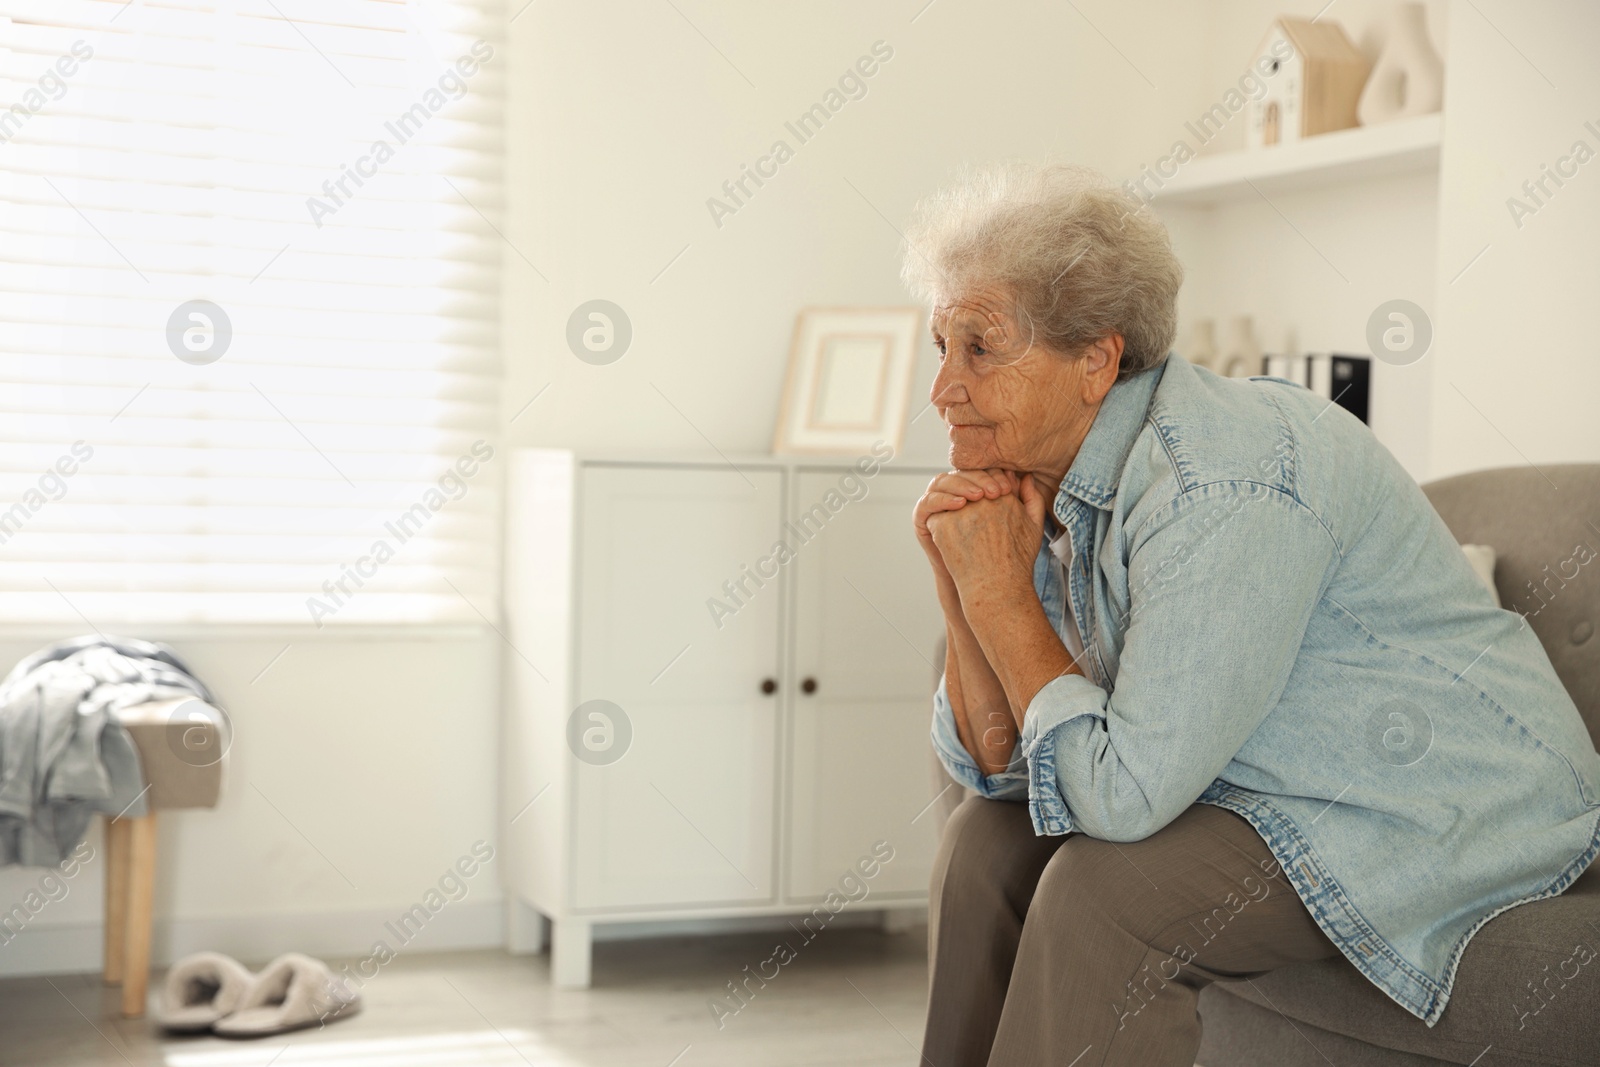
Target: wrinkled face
{"type": "Point", "coordinates": [1006, 399]}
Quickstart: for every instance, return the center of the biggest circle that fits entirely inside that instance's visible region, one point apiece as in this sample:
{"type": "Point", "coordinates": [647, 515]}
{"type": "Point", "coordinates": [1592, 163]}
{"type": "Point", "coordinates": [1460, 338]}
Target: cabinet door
{"type": "Point", "coordinates": [866, 621]}
{"type": "Point", "coordinates": [686, 815]}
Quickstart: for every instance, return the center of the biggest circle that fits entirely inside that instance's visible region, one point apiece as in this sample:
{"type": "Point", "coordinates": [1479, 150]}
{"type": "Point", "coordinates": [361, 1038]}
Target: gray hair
{"type": "Point", "coordinates": [1082, 259]}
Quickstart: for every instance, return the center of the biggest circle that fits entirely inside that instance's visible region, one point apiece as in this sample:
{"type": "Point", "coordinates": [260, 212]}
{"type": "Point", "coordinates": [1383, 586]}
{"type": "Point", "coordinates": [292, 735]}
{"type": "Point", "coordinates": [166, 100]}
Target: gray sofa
{"type": "Point", "coordinates": [1528, 988]}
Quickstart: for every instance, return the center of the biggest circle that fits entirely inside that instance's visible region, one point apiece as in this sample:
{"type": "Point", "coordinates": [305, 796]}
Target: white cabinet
{"type": "Point", "coordinates": [701, 723]}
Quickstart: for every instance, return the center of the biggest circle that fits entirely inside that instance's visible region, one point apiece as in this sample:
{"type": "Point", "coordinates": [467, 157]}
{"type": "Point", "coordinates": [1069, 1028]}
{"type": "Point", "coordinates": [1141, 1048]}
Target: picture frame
{"type": "Point", "coordinates": [849, 380]}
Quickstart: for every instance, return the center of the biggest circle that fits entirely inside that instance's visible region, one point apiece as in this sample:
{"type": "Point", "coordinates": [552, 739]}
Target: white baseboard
{"type": "Point", "coordinates": [73, 948]}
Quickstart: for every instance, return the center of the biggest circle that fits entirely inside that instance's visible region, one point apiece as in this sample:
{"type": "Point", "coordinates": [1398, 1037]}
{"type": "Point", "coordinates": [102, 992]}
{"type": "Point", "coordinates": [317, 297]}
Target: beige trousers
{"type": "Point", "coordinates": [1076, 952]}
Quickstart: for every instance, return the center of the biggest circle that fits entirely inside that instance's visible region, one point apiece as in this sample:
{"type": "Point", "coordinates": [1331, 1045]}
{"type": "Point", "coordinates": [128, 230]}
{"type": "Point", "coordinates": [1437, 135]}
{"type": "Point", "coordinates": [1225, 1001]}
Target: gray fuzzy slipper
{"type": "Point", "coordinates": [201, 989]}
{"type": "Point", "coordinates": [290, 993]}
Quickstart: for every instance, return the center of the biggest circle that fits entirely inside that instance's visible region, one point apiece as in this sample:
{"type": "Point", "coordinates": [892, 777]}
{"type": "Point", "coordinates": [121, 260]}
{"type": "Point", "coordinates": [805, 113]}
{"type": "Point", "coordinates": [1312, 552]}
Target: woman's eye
{"type": "Point", "coordinates": [979, 350]}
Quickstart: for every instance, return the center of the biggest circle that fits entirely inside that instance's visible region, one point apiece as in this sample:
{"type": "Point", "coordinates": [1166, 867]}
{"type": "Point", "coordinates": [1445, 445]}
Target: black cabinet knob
{"type": "Point", "coordinates": [769, 686]}
{"type": "Point", "coordinates": [808, 686]}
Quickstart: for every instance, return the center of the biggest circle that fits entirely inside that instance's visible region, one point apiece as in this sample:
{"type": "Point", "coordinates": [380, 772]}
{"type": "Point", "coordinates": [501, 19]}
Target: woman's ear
{"type": "Point", "coordinates": [1101, 362]}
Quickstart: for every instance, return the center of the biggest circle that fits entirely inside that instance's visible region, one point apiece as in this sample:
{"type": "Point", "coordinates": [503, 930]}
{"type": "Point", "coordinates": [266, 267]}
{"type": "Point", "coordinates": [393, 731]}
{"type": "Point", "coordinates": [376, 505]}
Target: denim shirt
{"type": "Point", "coordinates": [1275, 621]}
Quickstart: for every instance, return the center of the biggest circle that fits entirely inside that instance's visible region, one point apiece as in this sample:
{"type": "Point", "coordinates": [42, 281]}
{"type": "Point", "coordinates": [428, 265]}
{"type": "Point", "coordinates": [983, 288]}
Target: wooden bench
{"type": "Point", "coordinates": [182, 746]}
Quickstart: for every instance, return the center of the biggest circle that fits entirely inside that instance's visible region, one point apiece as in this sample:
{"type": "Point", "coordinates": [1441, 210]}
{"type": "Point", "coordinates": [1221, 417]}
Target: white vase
{"type": "Point", "coordinates": [1202, 348]}
{"type": "Point", "coordinates": [1244, 351]}
{"type": "Point", "coordinates": [1408, 78]}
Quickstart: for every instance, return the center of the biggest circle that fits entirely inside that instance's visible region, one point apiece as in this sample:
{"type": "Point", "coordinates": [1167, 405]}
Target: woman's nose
{"type": "Point", "coordinates": [948, 388]}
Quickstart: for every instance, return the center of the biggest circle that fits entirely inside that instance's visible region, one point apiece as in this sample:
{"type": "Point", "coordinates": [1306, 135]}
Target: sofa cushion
{"type": "Point", "coordinates": [1528, 984]}
{"type": "Point", "coordinates": [1482, 559]}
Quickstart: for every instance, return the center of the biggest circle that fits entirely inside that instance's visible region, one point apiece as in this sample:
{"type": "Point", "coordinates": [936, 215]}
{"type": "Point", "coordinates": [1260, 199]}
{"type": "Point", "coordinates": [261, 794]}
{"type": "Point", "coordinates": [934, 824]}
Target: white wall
{"type": "Point", "coordinates": [604, 195]}
{"type": "Point", "coordinates": [1516, 375]}
{"type": "Point", "coordinates": [360, 770]}
{"type": "Point", "coordinates": [625, 120]}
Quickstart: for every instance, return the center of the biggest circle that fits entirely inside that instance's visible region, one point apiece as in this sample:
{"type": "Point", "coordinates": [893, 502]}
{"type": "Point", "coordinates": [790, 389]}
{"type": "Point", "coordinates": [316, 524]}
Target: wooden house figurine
{"type": "Point", "coordinates": [1313, 91]}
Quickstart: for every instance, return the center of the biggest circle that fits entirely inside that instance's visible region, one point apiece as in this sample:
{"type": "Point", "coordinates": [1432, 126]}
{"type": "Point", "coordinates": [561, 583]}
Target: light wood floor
{"type": "Point", "coordinates": [852, 998]}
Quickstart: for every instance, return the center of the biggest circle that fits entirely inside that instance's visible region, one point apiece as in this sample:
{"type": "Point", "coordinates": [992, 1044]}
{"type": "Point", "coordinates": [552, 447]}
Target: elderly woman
{"type": "Point", "coordinates": [1230, 695]}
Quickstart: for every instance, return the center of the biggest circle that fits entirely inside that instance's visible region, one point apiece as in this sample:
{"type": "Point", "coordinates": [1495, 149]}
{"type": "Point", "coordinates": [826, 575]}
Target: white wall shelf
{"type": "Point", "coordinates": [1404, 146]}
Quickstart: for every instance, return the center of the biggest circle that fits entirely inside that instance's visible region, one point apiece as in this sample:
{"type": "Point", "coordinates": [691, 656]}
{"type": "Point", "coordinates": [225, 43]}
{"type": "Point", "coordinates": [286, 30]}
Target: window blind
{"type": "Point", "coordinates": [249, 310]}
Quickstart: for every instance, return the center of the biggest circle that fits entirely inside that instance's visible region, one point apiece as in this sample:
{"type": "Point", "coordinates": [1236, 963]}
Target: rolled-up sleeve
{"type": "Point", "coordinates": [1009, 784]}
{"type": "Point", "coordinates": [1060, 702]}
{"type": "Point", "coordinates": [1218, 612]}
